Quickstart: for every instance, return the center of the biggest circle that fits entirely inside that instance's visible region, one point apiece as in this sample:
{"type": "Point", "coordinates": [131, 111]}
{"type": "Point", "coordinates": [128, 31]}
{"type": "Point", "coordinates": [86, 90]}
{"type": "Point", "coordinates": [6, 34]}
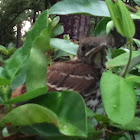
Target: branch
{"type": "Point", "coordinates": [114, 133]}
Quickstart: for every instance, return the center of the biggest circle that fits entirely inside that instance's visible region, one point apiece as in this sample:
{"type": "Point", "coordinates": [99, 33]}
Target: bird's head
{"type": "Point", "coordinates": [92, 50]}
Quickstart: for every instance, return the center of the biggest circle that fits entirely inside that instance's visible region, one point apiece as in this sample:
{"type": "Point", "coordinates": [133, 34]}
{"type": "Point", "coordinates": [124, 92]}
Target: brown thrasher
{"type": "Point", "coordinates": [81, 74]}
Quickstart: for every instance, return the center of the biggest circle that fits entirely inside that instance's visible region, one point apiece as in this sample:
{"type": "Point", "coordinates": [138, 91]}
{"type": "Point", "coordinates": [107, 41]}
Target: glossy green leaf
{"type": "Point", "coordinates": [28, 96]}
{"type": "Point", "coordinates": [37, 70]}
{"type": "Point", "coordinates": [118, 98]}
{"type": "Point", "coordinates": [137, 2]}
{"type": "Point", "coordinates": [133, 125]}
{"type": "Point", "coordinates": [59, 54]}
{"type": "Point", "coordinates": [38, 62]}
{"type": "Point", "coordinates": [14, 65]}
{"type": "Point", "coordinates": [90, 7]}
{"type": "Point", "coordinates": [121, 18]}
{"type": "Point", "coordinates": [29, 114]}
{"type": "Point", "coordinates": [49, 131]}
{"type": "Point", "coordinates": [100, 29]}
{"type": "Point", "coordinates": [44, 130]}
{"type": "Point", "coordinates": [115, 15]}
{"type": "Point", "coordinates": [121, 59]}
{"type": "Point", "coordinates": [127, 22]}
{"type": "Point", "coordinates": [65, 45]}
{"type": "Point", "coordinates": [71, 110]}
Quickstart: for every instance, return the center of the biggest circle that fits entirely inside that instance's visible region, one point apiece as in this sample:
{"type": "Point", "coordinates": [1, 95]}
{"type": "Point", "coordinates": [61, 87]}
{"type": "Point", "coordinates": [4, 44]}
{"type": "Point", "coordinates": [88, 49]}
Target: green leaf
{"type": "Point", "coordinates": [65, 45]}
{"type": "Point", "coordinates": [117, 52]}
{"type": "Point", "coordinates": [43, 130]}
{"type": "Point", "coordinates": [38, 62]}
{"type": "Point", "coordinates": [118, 98]}
{"type": "Point", "coordinates": [29, 114]}
{"type": "Point", "coordinates": [133, 78]}
{"type": "Point", "coordinates": [28, 96]}
{"type": "Point", "coordinates": [133, 125]}
{"type": "Point", "coordinates": [137, 41]}
{"type": "Point", "coordinates": [136, 15]}
{"type": "Point", "coordinates": [100, 29]}
{"type": "Point", "coordinates": [121, 59]}
{"type": "Point", "coordinates": [121, 18]}
{"type": "Point", "coordinates": [137, 2]}
{"type": "Point", "coordinates": [1, 69]}
{"type": "Point", "coordinates": [90, 113]}
{"type": "Point", "coordinates": [3, 50]}
{"type": "Point", "coordinates": [11, 51]}
{"type": "Point", "coordinates": [59, 30]}
{"type": "Point", "coordinates": [134, 62]}
{"type": "Point", "coordinates": [90, 7]}
{"type": "Point", "coordinates": [71, 110]}
{"type": "Point", "coordinates": [4, 81]}
{"type": "Point", "coordinates": [14, 65]}
{"type": "Point", "coordinates": [101, 118]}
{"type": "Point", "coordinates": [47, 131]}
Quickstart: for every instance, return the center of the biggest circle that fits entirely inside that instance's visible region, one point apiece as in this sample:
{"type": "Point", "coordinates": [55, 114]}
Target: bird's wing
{"type": "Point", "coordinates": [71, 76]}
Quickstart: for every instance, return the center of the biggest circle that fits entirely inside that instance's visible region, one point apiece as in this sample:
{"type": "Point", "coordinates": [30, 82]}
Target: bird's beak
{"type": "Point", "coordinates": [93, 51]}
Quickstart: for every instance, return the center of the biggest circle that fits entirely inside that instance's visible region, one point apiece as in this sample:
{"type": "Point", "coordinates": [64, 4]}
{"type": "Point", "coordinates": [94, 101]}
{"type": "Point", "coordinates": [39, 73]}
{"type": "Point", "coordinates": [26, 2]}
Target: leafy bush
{"type": "Point", "coordinates": [64, 115]}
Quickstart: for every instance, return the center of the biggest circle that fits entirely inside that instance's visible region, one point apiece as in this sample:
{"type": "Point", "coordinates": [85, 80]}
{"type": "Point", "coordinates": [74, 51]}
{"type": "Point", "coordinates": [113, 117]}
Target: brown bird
{"type": "Point", "coordinates": [81, 74]}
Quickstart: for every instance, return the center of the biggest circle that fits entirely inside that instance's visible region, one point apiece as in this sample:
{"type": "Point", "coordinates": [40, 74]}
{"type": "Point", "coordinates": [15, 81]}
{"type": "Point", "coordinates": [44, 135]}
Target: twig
{"type": "Point", "coordinates": [114, 133]}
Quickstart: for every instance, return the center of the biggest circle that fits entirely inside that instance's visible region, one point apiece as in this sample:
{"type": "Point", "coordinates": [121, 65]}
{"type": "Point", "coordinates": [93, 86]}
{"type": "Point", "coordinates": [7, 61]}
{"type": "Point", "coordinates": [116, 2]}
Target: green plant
{"type": "Point", "coordinates": [64, 115]}
{"type": "Point", "coordinates": [6, 53]}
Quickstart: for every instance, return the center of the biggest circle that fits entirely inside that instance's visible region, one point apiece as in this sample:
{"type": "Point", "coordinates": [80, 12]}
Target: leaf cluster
{"type": "Point", "coordinates": [64, 115]}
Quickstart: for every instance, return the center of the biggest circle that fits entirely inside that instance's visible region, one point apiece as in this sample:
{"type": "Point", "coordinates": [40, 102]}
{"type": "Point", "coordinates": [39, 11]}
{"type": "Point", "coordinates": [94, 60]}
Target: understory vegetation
{"type": "Point", "coordinates": [64, 115]}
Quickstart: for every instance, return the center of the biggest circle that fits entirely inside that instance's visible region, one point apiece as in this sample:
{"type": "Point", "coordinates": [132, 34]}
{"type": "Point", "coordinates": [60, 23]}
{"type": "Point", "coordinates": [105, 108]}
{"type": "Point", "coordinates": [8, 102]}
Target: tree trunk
{"type": "Point", "coordinates": [77, 26]}
{"type": "Point", "coordinates": [19, 41]}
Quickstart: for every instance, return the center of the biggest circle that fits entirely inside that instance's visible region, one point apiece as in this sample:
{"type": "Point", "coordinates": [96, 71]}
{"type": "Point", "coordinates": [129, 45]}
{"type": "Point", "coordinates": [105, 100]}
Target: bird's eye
{"type": "Point", "coordinates": [83, 48]}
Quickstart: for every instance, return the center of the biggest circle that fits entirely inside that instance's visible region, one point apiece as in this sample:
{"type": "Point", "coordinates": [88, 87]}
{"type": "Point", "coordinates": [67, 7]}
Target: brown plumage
{"type": "Point", "coordinates": [82, 74]}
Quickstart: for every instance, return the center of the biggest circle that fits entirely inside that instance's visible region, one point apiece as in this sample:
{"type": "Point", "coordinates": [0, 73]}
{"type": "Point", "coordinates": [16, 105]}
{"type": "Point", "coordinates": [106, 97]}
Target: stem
{"type": "Point", "coordinates": [125, 70]}
{"type": "Point", "coordinates": [5, 90]}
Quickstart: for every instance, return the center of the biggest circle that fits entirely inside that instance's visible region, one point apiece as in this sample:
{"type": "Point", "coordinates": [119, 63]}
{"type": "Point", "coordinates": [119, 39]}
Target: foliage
{"type": "Point", "coordinates": [6, 52]}
{"type": "Point", "coordinates": [65, 113]}
{"type": "Point", "coordinates": [18, 11]}
{"type": "Point", "coordinates": [137, 2]}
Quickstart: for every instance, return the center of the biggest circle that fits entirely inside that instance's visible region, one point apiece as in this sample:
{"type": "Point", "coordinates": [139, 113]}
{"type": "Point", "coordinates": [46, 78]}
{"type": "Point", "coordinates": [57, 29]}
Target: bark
{"type": "Point", "coordinates": [19, 41]}
{"type": "Point", "coordinates": [77, 26]}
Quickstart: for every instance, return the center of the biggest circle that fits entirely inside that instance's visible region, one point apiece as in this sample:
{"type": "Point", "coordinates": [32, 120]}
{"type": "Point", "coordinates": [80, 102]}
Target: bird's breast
{"type": "Point", "coordinates": [72, 76]}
